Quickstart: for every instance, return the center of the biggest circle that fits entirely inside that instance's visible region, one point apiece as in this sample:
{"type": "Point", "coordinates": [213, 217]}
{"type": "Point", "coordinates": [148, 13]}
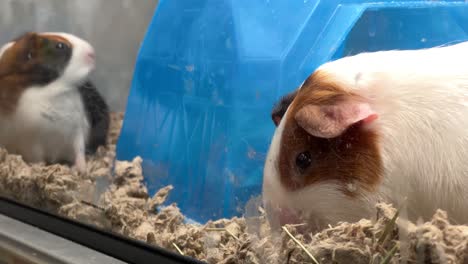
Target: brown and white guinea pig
{"type": "Point", "coordinates": [387, 126]}
{"type": "Point", "coordinates": [49, 110]}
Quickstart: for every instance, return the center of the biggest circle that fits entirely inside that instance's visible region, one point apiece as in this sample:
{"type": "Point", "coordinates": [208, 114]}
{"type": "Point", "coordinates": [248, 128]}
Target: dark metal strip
{"type": "Point", "coordinates": [111, 244]}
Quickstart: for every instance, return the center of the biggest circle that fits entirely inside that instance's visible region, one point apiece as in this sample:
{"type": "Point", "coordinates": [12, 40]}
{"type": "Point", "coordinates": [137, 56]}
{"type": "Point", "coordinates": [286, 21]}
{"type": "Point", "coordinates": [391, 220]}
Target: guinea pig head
{"type": "Point", "coordinates": [323, 165]}
{"type": "Point", "coordinates": [40, 58]}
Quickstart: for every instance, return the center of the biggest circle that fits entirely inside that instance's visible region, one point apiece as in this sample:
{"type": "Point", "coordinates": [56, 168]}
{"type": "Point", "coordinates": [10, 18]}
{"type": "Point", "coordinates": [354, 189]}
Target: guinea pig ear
{"type": "Point", "coordinates": [330, 121]}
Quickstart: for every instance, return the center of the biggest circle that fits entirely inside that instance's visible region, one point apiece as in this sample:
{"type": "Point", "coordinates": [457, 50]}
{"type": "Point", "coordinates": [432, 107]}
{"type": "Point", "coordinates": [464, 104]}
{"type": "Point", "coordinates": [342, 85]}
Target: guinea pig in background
{"type": "Point", "coordinates": [388, 126]}
{"type": "Point", "coordinates": [49, 110]}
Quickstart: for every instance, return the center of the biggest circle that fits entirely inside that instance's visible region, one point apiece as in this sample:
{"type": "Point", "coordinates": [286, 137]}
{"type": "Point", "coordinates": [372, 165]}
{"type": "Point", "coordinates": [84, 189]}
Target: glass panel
{"type": "Point", "coordinates": [243, 131]}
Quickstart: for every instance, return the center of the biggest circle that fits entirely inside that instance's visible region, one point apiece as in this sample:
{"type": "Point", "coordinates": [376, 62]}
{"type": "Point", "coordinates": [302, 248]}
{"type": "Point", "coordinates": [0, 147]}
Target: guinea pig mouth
{"type": "Point", "coordinates": [284, 216]}
{"type": "Point", "coordinates": [289, 217]}
{"type": "Point", "coordinates": [90, 58]}
{"type": "Point", "coordinates": [91, 62]}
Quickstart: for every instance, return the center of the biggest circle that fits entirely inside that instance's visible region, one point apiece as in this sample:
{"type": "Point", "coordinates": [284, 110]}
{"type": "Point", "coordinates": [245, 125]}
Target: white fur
{"type": "Point", "coordinates": [50, 122]}
{"type": "Point", "coordinates": [5, 47]}
{"type": "Point", "coordinates": [421, 98]}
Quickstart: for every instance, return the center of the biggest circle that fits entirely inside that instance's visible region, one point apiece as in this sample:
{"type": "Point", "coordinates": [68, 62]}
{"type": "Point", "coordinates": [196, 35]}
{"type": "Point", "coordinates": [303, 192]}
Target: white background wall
{"type": "Point", "coordinates": [114, 27]}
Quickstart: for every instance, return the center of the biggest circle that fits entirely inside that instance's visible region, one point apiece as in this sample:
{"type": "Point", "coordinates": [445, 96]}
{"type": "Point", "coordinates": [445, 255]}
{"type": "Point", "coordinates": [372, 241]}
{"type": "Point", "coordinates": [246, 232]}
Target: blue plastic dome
{"type": "Point", "coordinates": [209, 71]}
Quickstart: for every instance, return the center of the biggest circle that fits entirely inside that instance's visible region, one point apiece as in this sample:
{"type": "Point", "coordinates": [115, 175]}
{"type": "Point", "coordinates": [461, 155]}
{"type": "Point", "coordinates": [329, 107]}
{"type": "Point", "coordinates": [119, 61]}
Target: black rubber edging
{"type": "Point", "coordinates": [114, 245]}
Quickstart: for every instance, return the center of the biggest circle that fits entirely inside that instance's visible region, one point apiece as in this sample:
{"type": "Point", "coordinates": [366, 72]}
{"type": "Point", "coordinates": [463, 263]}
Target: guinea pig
{"type": "Point", "coordinates": [386, 126]}
{"type": "Point", "coordinates": [49, 109]}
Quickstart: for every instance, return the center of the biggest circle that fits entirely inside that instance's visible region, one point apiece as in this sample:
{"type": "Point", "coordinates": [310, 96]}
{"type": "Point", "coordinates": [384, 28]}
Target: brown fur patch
{"type": "Point", "coordinates": [29, 61]}
{"type": "Point", "coordinates": [352, 158]}
{"type": "Point", "coordinates": [12, 83]}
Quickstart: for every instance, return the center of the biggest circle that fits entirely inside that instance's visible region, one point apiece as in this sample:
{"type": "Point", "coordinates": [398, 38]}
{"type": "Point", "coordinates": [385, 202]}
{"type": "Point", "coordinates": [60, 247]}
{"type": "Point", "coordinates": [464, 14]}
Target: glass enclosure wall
{"type": "Point", "coordinates": [230, 131]}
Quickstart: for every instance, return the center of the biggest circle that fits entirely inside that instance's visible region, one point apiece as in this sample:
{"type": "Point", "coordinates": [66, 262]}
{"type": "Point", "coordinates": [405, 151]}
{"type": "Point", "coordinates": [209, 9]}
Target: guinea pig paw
{"type": "Point", "coordinates": [80, 165]}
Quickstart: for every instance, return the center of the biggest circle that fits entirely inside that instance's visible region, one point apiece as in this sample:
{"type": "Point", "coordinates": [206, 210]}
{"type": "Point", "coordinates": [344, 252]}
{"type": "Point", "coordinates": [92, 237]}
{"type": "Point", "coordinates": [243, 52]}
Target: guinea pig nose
{"type": "Point", "coordinates": [91, 55]}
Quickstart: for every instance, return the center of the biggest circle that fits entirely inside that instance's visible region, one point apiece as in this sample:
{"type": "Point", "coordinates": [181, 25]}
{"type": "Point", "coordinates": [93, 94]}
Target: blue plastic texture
{"type": "Point", "coordinates": [209, 71]}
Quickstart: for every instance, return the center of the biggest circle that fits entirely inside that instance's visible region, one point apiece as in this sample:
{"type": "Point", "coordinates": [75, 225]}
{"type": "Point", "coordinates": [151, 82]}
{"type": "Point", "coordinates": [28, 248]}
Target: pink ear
{"type": "Point", "coordinates": [329, 121]}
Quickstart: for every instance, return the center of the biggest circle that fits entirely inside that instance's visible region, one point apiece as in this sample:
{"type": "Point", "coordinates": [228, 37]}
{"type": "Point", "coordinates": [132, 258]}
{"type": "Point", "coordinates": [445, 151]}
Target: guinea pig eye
{"type": "Point", "coordinates": [303, 160]}
{"type": "Point", "coordinates": [60, 45]}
